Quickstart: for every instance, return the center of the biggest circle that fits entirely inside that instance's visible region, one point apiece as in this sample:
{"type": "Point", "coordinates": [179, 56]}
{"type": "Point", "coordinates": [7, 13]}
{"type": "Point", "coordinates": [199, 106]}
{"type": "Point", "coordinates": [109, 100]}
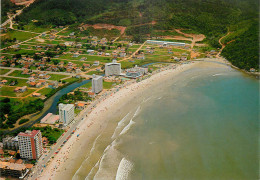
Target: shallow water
{"type": "Point", "coordinates": [200, 124]}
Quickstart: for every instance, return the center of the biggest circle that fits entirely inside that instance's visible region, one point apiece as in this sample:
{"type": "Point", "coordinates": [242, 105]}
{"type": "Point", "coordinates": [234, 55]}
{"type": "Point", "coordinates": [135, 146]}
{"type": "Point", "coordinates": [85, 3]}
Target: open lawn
{"type": "Point", "coordinates": [20, 51]}
{"type": "Point", "coordinates": [108, 85]}
{"type": "Point", "coordinates": [37, 29]}
{"type": "Point", "coordinates": [4, 71]}
{"type": "Point", "coordinates": [29, 91]}
{"type": "Point", "coordinates": [95, 72]}
{"type": "Point", "coordinates": [7, 91]}
{"type": "Point", "coordinates": [18, 73]}
{"type": "Point", "coordinates": [20, 82]}
{"type": "Point", "coordinates": [45, 91]}
{"type": "Point", "coordinates": [87, 85]}
{"type": "Point", "coordinates": [71, 80]}
{"type": "Point", "coordinates": [19, 35]}
{"type": "Point", "coordinates": [57, 77]}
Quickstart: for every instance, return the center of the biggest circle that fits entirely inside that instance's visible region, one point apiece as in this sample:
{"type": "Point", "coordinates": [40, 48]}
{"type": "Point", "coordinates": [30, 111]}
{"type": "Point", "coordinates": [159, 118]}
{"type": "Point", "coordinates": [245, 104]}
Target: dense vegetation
{"type": "Point", "coordinates": [243, 50]}
{"type": "Point", "coordinates": [210, 17]}
{"type": "Point", "coordinates": [11, 110]}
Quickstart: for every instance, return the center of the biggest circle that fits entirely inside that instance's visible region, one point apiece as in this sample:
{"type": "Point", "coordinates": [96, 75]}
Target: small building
{"type": "Point", "coordinates": [53, 85]}
{"type": "Point", "coordinates": [4, 81]}
{"type": "Point", "coordinates": [10, 143]}
{"type": "Point", "coordinates": [50, 119]}
{"type": "Point", "coordinates": [96, 63]}
{"type": "Point", "coordinates": [90, 51]}
{"type": "Point", "coordinates": [91, 94]}
{"type": "Point", "coordinates": [20, 89]}
{"type": "Point", "coordinates": [80, 106]}
{"type": "Point", "coordinates": [36, 94]}
{"type": "Point", "coordinates": [13, 169]}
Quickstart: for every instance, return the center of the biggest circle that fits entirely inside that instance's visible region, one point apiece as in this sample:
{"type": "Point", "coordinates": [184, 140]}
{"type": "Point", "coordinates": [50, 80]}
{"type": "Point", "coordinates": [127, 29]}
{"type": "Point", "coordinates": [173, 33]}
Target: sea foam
{"type": "Point", "coordinates": [120, 124]}
{"type": "Point", "coordinates": [128, 126]}
{"type": "Point", "coordinates": [124, 169]}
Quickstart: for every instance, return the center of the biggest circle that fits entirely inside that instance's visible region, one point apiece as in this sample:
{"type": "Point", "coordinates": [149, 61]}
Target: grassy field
{"type": "Point", "coordinates": [38, 29]}
{"type": "Point", "coordinates": [71, 80]}
{"type": "Point", "coordinates": [3, 71]}
{"type": "Point", "coordinates": [108, 85]}
{"type": "Point", "coordinates": [29, 91]}
{"type": "Point", "coordinates": [57, 77]}
{"type": "Point", "coordinates": [19, 35]}
{"type": "Point", "coordinates": [87, 85]}
{"type": "Point", "coordinates": [95, 72]}
{"type": "Point", "coordinates": [45, 91]}
{"type": "Point", "coordinates": [20, 82]}
{"type": "Point", "coordinates": [17, 73]}
{"type": "Point", "coordinates": [20, 51]}
{"type": "Point", "coordinates": [7, 91]}
{"type": "Point", "coordinates": [165, 33]}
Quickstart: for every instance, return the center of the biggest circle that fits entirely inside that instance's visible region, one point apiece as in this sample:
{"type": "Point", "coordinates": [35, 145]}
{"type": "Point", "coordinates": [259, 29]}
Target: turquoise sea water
{"type": "Point", "coordinates": [201, 125]}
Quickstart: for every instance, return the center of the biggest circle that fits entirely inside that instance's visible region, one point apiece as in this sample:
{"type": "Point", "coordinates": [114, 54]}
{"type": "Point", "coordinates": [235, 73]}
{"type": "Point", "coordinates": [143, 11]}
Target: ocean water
{"type": "Point", "coordinates": [202, 124]}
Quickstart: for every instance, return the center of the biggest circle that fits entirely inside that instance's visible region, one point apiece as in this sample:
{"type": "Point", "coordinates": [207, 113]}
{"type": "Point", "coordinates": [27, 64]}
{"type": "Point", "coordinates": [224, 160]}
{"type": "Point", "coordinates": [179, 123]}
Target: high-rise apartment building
{"type": "Point", "coordinates": [113, 69]}
{"type": "Point", "coordinates": [97, 84]}
{"type": "Point", "coordinates": [30, 144]}
{"type": "Point", "coordinates": [66, 113]}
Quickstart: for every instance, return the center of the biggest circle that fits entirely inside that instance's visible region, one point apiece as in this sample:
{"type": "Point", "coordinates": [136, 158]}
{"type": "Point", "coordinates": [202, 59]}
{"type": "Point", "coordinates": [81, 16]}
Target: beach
{"type": "Point", "coordinates": [65, 164]}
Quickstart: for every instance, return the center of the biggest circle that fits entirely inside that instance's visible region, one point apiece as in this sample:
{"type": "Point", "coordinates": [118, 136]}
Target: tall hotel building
{"type": "Point", "coordinates": [113, 68]}
{"type": "Point", "coordinates": [30, 144]}
{"type": "Point", "coordinates": [97, 84]}
{"type": "Point", "coordinates": [66, 113]}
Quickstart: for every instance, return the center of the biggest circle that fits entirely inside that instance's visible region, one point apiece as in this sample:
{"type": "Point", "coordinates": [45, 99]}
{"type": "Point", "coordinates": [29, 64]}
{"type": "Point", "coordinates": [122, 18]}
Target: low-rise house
{"type": "Point", "coordinates": [79, 46]}
{"type": "Point", "coordinates": [32, 84]}
{"type": "Point", "coordinates": [76, 54]}
{"type": "Point", "coordinates": [15, 170]}
{"type": "Point", "coordinates": [36, 94]}
{"type": "Point", "coordinates": [107, 54]}
{"type": "Point", "coordinates": [38, 84]}
{"type": "Point", "coordinates": [91, 94]}
{"type": "Point", "coordinates": [96, 63]}
{"type": "Point", "coordinates": [86, 66]}
{"type": "Point", "coordinates": [4, 81]}
{"type": "Point", "coordinates": [10, 143]}
{"type": "Point", "coordinates": [53, 85]}
{"type": "Point", "coordinates": [83, 58]}
{"type": "Point", "coordinates": [20, 89]}
{"type": "Point", "coordinates": [90, 51]}
{"type": "Point", "coordinates": [12, 83]}
{"type": "Point", "coordinates": [80, 106]}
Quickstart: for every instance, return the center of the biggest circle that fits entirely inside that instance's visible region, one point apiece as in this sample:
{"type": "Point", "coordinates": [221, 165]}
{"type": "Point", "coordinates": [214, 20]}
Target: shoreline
{"type": "Point", "coordinates": [65, 164]}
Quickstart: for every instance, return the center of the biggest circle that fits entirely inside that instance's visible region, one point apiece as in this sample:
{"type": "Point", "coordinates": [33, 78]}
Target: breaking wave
{"type": "Point", "coordinates": [124, 169]}
{"type": "Point", "coordinates": [220, 74]}
{"type": "Point", "coordinates": [87, 158]}
{"type": "Point", "coordinates": [120, 124]}
{"type": "Point", "coordinates": [127, 127]}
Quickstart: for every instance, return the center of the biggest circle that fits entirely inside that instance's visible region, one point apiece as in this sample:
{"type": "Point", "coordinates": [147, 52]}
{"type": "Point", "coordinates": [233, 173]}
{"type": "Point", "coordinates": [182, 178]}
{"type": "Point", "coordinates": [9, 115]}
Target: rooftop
{"type": "Point", "coordinates": [29, 133]}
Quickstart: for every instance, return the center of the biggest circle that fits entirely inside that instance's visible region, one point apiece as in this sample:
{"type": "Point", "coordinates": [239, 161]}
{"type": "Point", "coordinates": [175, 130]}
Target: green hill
{"type": "Point", "coordinates": [210, 17]}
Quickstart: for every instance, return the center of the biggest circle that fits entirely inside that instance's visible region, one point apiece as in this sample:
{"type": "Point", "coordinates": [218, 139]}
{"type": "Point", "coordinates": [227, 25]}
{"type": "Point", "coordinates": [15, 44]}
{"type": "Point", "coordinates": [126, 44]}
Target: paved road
{"type": "Point", "coordinates": [46, 157]}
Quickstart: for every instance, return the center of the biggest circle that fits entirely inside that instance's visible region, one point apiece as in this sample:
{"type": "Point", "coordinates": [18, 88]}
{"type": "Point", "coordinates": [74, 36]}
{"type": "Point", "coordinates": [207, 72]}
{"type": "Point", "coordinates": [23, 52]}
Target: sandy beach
{"type": "Point", "coordinates": [65, 163]}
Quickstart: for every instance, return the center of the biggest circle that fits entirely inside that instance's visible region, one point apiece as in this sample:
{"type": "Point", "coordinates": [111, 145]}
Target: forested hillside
{"type": "Point", "coordinates": [210, 17]}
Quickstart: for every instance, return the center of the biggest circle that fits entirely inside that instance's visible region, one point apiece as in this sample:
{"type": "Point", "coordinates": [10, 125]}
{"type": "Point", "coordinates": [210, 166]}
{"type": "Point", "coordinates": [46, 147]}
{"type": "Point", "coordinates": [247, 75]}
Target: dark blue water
{"type": "Point", "coordinates": [53, 109]}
